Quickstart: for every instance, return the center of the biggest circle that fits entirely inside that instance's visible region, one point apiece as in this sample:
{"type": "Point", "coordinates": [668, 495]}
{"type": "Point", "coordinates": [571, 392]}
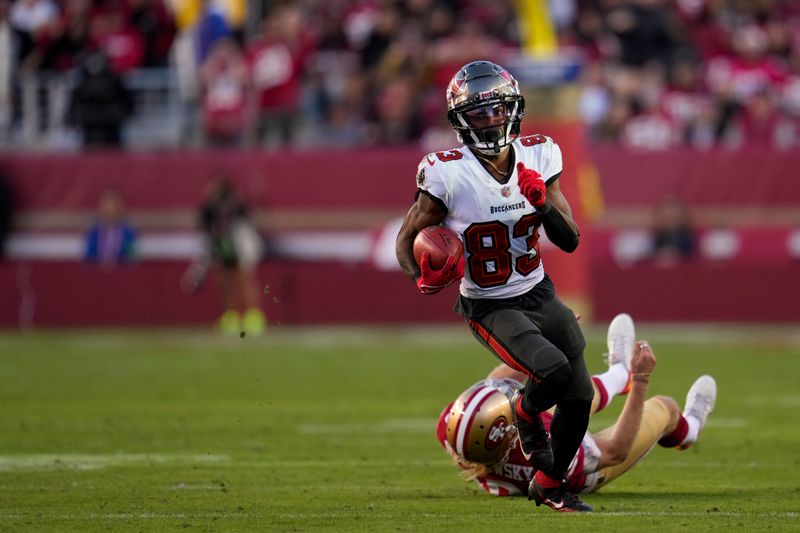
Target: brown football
{"type": "Point", "coordinates": [440, 242]}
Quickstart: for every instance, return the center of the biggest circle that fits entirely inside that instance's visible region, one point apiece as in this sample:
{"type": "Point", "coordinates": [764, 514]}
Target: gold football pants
{"type": "Point", "coordinates": [655, 421]}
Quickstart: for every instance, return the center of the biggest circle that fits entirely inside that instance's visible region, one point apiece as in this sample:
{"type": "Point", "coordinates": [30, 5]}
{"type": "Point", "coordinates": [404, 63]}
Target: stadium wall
{"type": "Point", "coordinates": [745, 210]}
{"type": "Point", "coordinates": [331, 217]}
{"type": "Point", "coordinates": [71, 294]}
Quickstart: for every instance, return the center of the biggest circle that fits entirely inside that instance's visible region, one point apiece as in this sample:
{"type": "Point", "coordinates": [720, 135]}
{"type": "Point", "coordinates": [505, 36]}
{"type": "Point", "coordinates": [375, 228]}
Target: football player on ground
{"type": "Point", "coordinates": [475, 428]}
{"type": "Point", "coordinates": [496, 191]}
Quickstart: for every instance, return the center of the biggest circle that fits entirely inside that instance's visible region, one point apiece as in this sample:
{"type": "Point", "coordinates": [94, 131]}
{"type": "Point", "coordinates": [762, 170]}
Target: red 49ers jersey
{"type": "Point", "coordinates": [498, 225]}
{"type": "Point", "coordinates": [512, 476]}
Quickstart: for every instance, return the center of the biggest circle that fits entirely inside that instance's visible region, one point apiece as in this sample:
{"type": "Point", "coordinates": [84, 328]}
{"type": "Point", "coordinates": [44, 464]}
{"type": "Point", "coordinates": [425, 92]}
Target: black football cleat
{"type": "Point", "coordinates": [534, 440]}
{"type": "Point", "coordinates": [558, 498]}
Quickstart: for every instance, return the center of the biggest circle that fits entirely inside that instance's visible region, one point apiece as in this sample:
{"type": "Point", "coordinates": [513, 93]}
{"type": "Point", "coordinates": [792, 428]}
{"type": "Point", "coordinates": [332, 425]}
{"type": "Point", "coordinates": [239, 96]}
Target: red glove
{"type": "Point", "coordinates": [431, 281]}
{"type": "Point", "coordinates": [532, 185]}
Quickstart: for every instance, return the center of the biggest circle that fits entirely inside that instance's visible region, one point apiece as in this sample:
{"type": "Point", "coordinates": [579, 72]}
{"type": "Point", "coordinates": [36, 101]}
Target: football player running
{"type": "Point", "coordinates": [474, 428]}
{"type": "Point", "coordinates": [496, 191]}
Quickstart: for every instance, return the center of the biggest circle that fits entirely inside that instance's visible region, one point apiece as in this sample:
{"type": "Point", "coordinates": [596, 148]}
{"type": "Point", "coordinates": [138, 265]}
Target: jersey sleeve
{"type": "Point", "coordinates": [551, 161]}
{"type": "Point", "coordinates": [432, 181]}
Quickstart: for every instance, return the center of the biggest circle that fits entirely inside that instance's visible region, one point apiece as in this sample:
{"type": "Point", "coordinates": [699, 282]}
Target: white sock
{"type": "Point", "coordinates": [614, 380]}
{"type": "Point", "coordinates": [694, 430]}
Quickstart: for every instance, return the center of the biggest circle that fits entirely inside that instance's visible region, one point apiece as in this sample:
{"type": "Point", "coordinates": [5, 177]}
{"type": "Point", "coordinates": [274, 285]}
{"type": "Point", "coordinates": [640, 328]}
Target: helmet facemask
{"type": "Point", "coordinates": [480, 127]}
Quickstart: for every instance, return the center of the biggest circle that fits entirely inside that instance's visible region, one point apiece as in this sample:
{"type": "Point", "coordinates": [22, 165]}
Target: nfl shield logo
{"type": "Point", "coordinates": [505, 191]}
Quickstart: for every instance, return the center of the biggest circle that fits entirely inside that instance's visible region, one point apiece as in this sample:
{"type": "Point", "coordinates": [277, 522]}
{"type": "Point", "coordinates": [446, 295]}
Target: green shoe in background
{"type": "Point", "coordinates": [254, 321]}
{"type": "Point", "coordinates": [229, 322]}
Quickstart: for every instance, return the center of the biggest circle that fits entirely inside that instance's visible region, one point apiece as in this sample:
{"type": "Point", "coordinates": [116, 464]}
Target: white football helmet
{"type": "Point", "coordinates": [485, 107]}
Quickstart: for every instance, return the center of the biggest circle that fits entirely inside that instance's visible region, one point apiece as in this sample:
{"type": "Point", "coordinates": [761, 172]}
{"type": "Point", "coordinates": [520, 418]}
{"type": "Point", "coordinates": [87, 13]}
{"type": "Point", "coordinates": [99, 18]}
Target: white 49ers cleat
{"type": "Point", "coordinates": [700, 402]}
{"type": "Point", "coordinates": [620, 339]}
{"type": "Point", "coordinates": [621, 336]}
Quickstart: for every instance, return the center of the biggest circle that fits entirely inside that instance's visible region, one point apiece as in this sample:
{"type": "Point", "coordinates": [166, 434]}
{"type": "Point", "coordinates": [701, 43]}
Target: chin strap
{"type": "Point", "coordinates": [496, 150]}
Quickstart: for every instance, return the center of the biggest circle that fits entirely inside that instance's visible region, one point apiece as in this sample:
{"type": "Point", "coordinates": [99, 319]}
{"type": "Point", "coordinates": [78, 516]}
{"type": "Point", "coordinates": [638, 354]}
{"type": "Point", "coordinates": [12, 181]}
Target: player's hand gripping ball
{"type": "Point", "coordinates": [531, 185]}
{"type": "Point", "coordinates": [439, 253]}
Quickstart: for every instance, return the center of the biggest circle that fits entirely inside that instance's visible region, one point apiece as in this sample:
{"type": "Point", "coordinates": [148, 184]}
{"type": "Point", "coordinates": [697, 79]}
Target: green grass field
{"type": "Point", "coordinates": [333, 429]}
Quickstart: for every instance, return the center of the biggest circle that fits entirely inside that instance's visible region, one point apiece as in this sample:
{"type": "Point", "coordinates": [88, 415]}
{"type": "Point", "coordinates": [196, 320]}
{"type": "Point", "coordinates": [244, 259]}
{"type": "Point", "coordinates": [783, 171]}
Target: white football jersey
{"type": "Point", "coordinates": [499, 227]}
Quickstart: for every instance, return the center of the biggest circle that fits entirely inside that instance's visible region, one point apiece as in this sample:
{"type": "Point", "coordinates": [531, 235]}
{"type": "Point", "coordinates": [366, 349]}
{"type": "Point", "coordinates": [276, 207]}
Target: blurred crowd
{"type": "Point", "coordinates": [656, 73]}
{"type": "Point", "coordinates": [699, 73]}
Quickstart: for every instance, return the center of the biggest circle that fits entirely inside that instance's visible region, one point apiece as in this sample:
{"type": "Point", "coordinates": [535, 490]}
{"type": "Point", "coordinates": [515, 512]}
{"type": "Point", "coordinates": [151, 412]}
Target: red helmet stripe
{"type": "Point", "coordinates": [463, 410]}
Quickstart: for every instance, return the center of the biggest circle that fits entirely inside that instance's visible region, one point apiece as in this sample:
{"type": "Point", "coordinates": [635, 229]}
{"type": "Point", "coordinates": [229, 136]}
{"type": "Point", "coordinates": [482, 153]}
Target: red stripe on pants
{"type": "Point", "coordinates": [501, 352]}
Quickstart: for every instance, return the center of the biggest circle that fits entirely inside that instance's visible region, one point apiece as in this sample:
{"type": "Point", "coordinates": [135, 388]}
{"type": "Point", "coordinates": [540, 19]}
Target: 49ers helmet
{"type": "Point", "coordinates": [479, 424]}
{"type": "Point", "coordinates": [479, 95]}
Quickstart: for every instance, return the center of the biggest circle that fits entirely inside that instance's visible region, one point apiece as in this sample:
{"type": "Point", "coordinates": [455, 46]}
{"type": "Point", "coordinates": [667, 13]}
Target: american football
{"type": "Point", "coordinates": [440, 242]}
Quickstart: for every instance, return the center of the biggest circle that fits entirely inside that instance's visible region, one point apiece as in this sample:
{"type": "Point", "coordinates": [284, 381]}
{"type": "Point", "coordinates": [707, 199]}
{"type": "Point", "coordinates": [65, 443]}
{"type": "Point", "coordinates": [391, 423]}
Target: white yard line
{"type": "Point", "coordinates": [788, 401]}
{"type": "Point", "coordinates": [452, 335]}
{"type": "Point", "coordinates": [48, 462]}
{"type": "Point", "coordinates": [393, 425]}
{"type": "Point", "coordinates": [720, 422]}
{"type": "Point", "coordinates": [710, 513]}
{"type": "Point", "coordinates": [372, 514]}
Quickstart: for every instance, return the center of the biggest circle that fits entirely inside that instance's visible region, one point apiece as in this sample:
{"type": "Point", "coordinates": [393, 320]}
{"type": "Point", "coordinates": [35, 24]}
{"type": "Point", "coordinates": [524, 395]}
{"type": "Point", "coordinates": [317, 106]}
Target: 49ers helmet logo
{"type": "Point", "coordinates": [496, 433]}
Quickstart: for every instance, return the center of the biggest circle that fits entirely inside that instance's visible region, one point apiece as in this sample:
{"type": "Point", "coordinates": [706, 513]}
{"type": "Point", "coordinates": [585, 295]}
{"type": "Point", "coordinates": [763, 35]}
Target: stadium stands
{"type": "Point", "coordinates": [655, 75]}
